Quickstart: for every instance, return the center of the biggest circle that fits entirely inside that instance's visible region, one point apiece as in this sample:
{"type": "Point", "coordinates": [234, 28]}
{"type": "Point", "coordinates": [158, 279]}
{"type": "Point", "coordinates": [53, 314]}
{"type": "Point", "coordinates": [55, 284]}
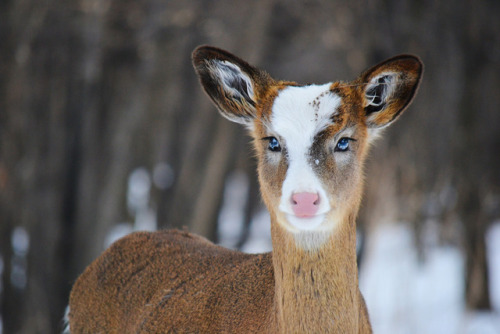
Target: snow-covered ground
{"type": "Point", "coordinates": [405, 295]}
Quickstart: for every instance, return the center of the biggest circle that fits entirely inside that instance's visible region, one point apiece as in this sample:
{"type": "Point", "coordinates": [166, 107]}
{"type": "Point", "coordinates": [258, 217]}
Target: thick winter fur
{"type": "Point", "coordinates": [176, 282]}
{"type": "Point", "coordinates": [172, 282]}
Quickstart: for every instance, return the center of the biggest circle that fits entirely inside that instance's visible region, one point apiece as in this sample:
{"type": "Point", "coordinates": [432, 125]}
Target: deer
{"type": "Point", "coordinates": [311, 143]}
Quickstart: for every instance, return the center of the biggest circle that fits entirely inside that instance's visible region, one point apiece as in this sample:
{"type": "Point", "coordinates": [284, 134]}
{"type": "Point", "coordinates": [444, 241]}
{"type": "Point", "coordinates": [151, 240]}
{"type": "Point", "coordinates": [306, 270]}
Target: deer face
{"type": "Point", "coordinates": [311, 141]}
{"type": "Point", "coordinates": [309, 150]}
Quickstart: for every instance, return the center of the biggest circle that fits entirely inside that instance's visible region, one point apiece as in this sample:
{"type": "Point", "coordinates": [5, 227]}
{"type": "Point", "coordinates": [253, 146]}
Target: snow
{"type": "Point", "coordinates": [402, 293]}
{"type": "Point", "coordinates": [493, 249]}
{"type": "Point", "coordinates": [230, 225]}
{"type": "Point", "coordinates": [232, 214]}
{"type": "Point", "coordinates": [405, 295]}
{"type": "Point", "coordinates": [259, 239]}
{"type": "Point", "coordinates": [163, 176]}
{"type": "Point", "coordinates": [139, 202]}
{"type": "Point", "coordinates": [138, 190]}
{"type": "Point", "coordinates": [20, 241]}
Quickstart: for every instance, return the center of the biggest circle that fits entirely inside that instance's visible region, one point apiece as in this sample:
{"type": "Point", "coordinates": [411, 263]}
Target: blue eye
{"type": "Point", "coordinates": [342, 145]}
{"type": "Point", "coordinates": [274, 144]}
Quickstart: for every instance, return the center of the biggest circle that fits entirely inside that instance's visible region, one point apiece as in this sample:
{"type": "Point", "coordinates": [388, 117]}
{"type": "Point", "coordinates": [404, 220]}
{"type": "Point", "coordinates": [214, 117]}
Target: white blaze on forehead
{"type": "Point", "coordinates": [298, 115]}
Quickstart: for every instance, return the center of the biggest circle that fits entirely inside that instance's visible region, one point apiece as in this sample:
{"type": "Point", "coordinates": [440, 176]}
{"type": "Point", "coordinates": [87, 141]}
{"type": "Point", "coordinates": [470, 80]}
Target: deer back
{"type": "Point", "coordinates": [156, 282]}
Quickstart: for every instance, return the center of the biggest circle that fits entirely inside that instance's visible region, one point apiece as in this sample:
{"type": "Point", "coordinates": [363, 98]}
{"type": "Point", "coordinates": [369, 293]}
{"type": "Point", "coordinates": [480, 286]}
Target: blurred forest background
{"type": "Point", "coordinates": [98, 94]}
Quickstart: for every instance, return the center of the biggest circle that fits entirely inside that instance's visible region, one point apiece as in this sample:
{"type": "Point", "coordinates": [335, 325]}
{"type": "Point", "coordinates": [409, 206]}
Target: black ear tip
{"type": "Point", "coordinates": [411, 64]}
{"type": "Point", "coordinates": [204, 50]}
{"type": "Point", "coordinates": [201, 53]}
{"type": "Point", "coordinates": [407, 58]}
{"type": "Point", "coordinates": [207, 52]}
{"type": "Point", "coordinates": [413, 61]}
{"type": "Point", "coordinates": [418, 61]}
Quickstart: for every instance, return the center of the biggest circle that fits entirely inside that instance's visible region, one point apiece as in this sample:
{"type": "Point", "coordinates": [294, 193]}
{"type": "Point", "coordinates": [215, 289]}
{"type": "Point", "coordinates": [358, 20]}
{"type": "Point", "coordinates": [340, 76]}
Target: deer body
{"type": "Point", "coordinates": [311, 143]}
{"type": "Point", "coordinates": [153, 295]}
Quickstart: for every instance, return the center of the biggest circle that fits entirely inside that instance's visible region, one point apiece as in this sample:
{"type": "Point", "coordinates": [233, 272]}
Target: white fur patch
{"type": "Point", "coordinates": [388, 83]}
{"type": "Point", "coordinates": [311, 241]}
{"type": "Point", "coordinates": [298, 115]}
{"type": "Point", "coordinates": [229, 73]}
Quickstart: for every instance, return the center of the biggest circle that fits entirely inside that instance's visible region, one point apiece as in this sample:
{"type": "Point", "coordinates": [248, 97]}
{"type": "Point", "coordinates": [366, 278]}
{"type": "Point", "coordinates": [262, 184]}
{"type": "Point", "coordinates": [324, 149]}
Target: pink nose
{"type": "Point", "coordinates": [305, 204]}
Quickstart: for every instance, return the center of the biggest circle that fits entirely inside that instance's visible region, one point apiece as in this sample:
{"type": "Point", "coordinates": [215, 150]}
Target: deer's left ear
{"type": "Point", "coordinates": [389, 88]}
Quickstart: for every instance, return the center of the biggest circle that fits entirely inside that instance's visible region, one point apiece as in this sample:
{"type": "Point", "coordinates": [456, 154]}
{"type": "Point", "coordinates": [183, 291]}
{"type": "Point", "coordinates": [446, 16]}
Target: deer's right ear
{"type": "Point", "coordinates": [231, 83]}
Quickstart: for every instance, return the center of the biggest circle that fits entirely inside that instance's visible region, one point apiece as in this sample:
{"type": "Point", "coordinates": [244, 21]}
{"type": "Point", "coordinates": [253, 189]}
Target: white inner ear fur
{"type": "Point", "coordinates": [298, 115]}
{"type": "Point", "coordinates": [388, 80]}
{"type": "Point", "coordinates": [228, 74]}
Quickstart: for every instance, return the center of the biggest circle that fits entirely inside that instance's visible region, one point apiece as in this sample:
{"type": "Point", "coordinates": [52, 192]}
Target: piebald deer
{"type": "Point", "coordinates": [311, 143]}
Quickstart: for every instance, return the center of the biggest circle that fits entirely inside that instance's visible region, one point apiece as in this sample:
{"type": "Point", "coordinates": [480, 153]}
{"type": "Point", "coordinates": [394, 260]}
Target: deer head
{"type": "Point", "coordinates": [311, 140]}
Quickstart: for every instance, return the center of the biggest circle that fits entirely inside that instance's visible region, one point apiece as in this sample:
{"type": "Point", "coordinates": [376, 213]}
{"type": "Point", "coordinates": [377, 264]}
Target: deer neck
{"type": "Point", "coordinates": [316, 289]}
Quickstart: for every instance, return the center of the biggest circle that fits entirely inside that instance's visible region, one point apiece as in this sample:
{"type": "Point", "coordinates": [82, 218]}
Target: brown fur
{"type": "Point", "coordinates": [176, 282]}
{"type": "Point", "coordinates": [169, 282]}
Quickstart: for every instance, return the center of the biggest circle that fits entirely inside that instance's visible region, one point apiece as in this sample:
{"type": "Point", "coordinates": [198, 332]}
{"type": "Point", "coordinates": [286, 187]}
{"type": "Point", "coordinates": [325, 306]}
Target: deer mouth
{"type": "Point", "coordinates": [305, 223]}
